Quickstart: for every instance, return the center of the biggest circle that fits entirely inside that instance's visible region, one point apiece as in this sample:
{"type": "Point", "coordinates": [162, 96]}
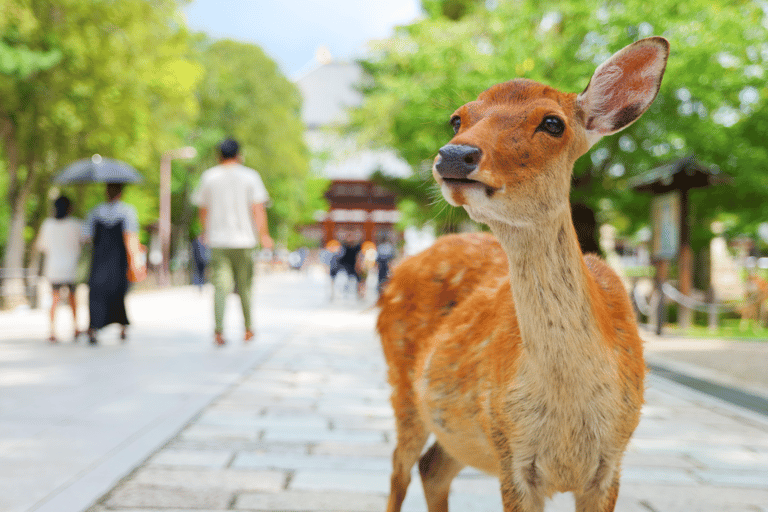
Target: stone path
{"type": "Point", "coordinates": [310, 429]}
{"type": "Point", "coordinates": [299, 421]}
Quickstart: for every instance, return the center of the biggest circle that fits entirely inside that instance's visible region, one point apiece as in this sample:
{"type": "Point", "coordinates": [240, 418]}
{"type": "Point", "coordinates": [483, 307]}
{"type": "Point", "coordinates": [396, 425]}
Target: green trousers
{"type": "Point", "coordinates": [228, 266]}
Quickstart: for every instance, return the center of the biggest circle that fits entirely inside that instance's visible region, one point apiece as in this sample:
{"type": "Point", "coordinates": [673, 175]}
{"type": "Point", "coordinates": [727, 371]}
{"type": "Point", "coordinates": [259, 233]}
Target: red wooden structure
{"type": "Point", "coordinates": [361, 208]}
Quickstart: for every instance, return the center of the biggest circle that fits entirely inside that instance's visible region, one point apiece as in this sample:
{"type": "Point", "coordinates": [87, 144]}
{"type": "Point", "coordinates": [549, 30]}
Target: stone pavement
{"type": "Point", "coordinates": [300, 421]}
{"type": "Point", "coordinates": [75, 419]}
{"type": "Point", "coordinates": [740, 364]}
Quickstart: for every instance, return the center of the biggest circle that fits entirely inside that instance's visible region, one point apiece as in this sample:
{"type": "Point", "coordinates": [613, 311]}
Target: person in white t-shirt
{"type": "Point", "coordinates": [59, 241]}
{"type": "Point", "coordinates": [230, 200]}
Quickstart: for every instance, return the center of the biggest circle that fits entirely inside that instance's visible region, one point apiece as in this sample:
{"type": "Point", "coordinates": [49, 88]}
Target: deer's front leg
{"type": "Point", "coordinates": [520, 483]}
{"type": "Point", "coordinates": [599, 498]}
{"type": "Point", "coordinates": [519, 496]}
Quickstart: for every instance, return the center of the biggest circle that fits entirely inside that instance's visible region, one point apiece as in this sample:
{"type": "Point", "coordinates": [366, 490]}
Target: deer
{"type": "Point", "coordinates": [518, 354]}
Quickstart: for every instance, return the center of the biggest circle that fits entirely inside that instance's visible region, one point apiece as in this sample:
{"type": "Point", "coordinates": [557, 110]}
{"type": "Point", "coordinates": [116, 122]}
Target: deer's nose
{"type": "Point", "coordinates": [457, 161]}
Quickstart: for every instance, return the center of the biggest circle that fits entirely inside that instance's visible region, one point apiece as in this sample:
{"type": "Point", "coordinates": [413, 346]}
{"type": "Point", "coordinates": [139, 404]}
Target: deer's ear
{"type": "Point", "coordinates": [623, 87]}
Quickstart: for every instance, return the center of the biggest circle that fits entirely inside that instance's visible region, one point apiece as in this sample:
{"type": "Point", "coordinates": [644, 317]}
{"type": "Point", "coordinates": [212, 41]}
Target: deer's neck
{"type": "Point", "coordinates": [550, 287]}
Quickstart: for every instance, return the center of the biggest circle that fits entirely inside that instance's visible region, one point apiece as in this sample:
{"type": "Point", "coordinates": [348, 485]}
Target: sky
{"type": "Point", "coordinates": [291, 31]}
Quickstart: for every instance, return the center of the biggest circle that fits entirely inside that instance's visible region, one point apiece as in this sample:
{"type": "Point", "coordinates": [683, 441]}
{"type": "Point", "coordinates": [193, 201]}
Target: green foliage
{"type": "Point", "coordinates": [728, 328]}
{"type": "Point", "coordinates": [79, 77]}
{"type": "Point", "coordinates": [712, 102]}
{"type": "Point", "coordinates": [21, 62]}
{"type": "Point", "coordinates": [127, 80]}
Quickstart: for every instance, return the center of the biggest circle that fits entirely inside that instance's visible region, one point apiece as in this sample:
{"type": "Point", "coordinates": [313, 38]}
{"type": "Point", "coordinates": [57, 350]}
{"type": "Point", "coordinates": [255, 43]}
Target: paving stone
{"type": "Point", "coordinates": [732, 459]}
{"type": "Point", "coordinates": [196, 458]}
{"type": "Point", "coordinates": [265, 421]}
{"type": "Point", "coordinates": [238, 446]}
{"type": "Point", "coordinates": [247, 460]}
{"type": "Point", "coordinates": [692, 498]}
{"type": "Point", "coordinates": [472, 502]}
{"type": "Point", "coordinates": [338, 480]}
{"type": "Point", "coordinates": [312, 502]}
{"type": "Point", "coordinates": [361, 391]}
{"type": "Point", "coordinates": [655, 474]}
{"type": "Point", "coordinates": [731, 478]}
{"type": "Point", "coordinates": [263, 402]}
{"type": "Point", "coordinates": [354, 422]}
{"type": "Point", "coordinates": [104, 509]}
{"type": "Point", "coordinates": [348, 448]}
{"type": "Point", "coordinates": [365, 410]}
{"type": "Point", "coordinates": [311, 435]}
{"type": "Point", "coordinates": [142, 496]}
{"type": "Point", "coordinates": [229, 479]}
{"type": "Point", "coordinates": [220, 432]}
{"type": "Point", "coordinates": [643, 460]}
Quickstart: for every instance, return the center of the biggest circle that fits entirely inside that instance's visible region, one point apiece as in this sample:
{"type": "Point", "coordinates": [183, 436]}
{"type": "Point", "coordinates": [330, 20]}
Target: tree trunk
{"type": "Point", "coordinates": [18, 191]}
{"type": "Point", "coordinates": [13, 261]}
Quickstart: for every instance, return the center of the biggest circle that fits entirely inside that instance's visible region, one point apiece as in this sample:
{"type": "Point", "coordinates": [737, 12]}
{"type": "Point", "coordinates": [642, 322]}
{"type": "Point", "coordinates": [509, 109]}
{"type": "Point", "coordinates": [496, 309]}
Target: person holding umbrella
{"type": "Point", "coordinates": [113, 228]}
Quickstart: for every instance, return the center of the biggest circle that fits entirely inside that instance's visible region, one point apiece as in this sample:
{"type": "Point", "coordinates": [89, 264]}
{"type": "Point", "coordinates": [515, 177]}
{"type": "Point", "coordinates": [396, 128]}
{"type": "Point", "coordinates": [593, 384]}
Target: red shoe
{"type": "Point", "coordinates": [249, 336]}
{"type": "Point", "coordinates": [218, 339]}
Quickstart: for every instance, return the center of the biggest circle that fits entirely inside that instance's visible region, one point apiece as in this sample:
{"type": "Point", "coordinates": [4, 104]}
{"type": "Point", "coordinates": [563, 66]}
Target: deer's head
{"type": "Point", "coordinates": [513, 153]}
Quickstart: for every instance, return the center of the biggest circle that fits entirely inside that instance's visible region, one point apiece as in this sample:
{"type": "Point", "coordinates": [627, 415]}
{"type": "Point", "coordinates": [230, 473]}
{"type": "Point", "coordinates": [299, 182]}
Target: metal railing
{"type": "Point", "coordinates": [712, 309]}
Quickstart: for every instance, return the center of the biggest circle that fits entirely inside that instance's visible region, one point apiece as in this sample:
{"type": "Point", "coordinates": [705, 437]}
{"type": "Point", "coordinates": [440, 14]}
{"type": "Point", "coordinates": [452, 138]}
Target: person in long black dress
{"type": "Point", "coordinates": [113, 229]}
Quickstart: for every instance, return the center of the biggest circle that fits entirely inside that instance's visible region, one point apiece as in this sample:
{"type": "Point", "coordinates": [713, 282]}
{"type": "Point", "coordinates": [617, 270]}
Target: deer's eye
{"type": "Point", "coordinates": [456, 123]}
{"type": "Point", "coordinates": [553, 125]}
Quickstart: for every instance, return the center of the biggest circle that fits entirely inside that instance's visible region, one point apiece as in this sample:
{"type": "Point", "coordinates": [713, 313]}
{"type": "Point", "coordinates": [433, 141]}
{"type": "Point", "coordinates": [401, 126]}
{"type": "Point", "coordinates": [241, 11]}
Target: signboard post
{"type": "Point", "coordinates": [670, 185]}
{"type": "Point", "coordinates": [665, 243]}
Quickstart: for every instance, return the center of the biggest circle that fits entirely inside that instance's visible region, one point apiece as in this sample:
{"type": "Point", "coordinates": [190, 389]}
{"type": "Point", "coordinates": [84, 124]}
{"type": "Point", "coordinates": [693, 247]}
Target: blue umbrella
{"type": "Point", "coordinates": [99, 170]}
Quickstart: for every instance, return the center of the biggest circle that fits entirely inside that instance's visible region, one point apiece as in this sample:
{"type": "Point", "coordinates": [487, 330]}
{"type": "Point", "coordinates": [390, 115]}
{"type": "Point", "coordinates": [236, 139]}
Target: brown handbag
{"type": "Point", "coordinates": [131, 274]}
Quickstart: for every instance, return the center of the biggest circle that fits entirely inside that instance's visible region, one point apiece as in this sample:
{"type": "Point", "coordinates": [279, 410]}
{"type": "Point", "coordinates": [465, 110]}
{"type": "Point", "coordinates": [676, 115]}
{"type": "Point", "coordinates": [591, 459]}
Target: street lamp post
{"type": "Point", "coordinates": [164, 220]}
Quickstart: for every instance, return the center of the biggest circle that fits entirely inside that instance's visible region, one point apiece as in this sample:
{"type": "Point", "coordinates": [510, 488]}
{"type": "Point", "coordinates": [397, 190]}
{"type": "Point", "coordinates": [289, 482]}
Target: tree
{"type": "Point", "coordinates": [451, 9]}
{"type": "Point", "coordinates": [83, 77]}
{"type": "Point", "coordinates": [714, 86]}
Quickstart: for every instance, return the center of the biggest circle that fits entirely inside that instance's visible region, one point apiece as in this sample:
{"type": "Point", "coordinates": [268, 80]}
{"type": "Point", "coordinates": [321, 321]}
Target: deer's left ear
{"type": "Point", "coordinates": [623, 87]}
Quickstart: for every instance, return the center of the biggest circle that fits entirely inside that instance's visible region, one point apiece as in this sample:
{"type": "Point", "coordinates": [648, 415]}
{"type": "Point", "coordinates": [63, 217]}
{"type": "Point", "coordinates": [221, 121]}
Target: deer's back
{"type": "Point", "coordinates": [427, 290]}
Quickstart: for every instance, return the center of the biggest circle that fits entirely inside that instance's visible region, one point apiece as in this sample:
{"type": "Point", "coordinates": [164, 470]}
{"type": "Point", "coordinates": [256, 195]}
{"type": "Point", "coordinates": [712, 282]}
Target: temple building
{"type": "Point", "coordinates": [357, 206]}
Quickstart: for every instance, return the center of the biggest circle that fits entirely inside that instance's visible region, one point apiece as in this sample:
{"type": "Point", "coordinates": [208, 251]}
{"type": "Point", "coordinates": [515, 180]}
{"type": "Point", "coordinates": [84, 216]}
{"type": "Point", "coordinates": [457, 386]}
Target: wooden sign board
{"type": "Point", "coordinates": [665, 218]}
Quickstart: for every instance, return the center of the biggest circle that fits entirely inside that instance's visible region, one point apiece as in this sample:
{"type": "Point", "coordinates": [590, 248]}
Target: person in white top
{"type": "Point", "coordinates": [230, 200]}
{"type": "Point", "coordinates": [59, 242]}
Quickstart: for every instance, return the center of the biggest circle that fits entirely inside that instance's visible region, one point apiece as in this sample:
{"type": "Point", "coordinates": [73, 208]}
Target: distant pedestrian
{"type": "Point", "coordinates": [200, 257]}
{"type": "Point", "coordinates": [59, 242]}
{"type": "Point", "coordinates": [385, 253]}
{"type": "Point", "coordinates": [231, 200]}
{"type": "Point", "coordinates": [113, 228]}
{"type": "Point", "coordinates": [366, 260]}
{"type": "Point", "coordinates": [330, 256]}
{"type": "Point", "coordinates": [349, 260]}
